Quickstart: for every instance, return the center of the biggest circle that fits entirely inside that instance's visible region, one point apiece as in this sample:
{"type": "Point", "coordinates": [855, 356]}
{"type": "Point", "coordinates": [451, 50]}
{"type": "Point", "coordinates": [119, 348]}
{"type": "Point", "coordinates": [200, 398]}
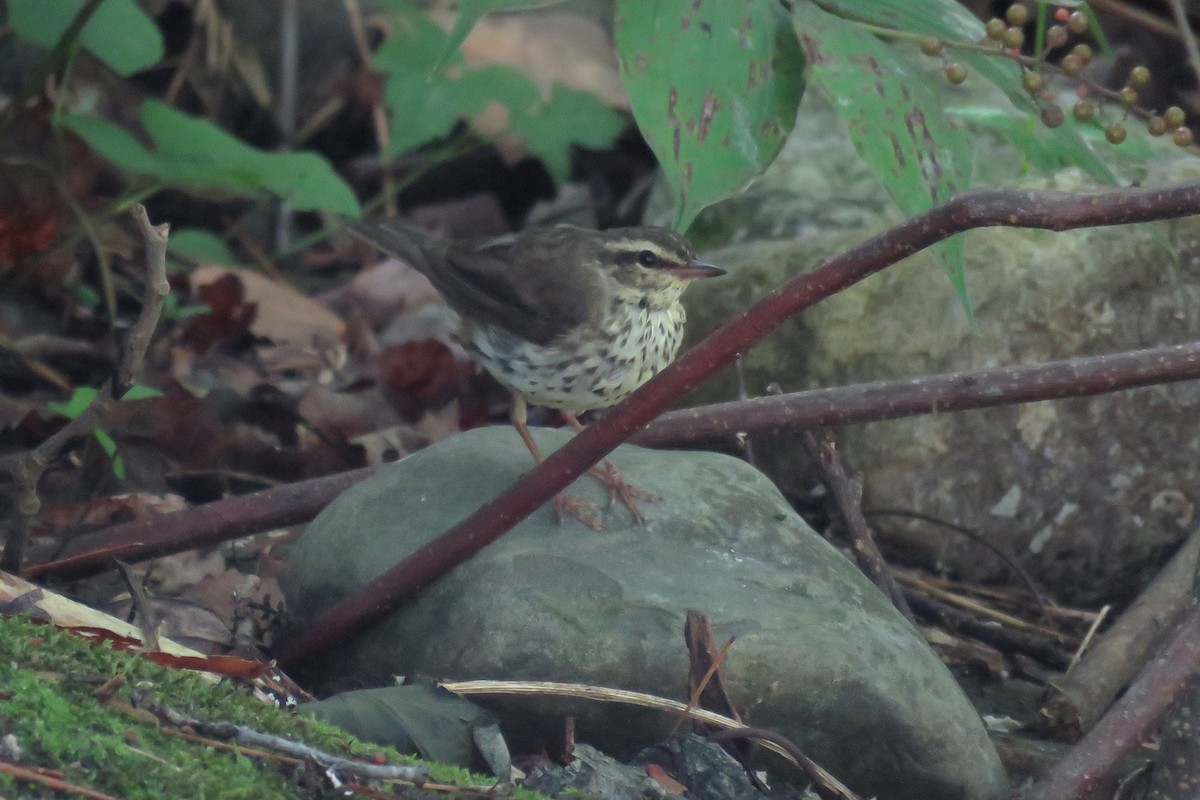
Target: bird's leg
{"type": "Point", "coordinates": [607, 473]}
{"type": "Point", "coordinates": [564, 505]}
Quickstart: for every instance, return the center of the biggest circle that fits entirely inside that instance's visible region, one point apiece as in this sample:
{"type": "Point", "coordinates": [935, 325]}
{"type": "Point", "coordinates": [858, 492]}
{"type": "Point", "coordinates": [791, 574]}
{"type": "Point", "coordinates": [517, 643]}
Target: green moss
{"type": "Point", "coordinates": [48, 682]}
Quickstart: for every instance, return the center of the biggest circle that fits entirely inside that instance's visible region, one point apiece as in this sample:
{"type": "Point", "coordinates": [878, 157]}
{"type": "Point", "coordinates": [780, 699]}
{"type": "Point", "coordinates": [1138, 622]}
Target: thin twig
{"type": "Point", "coordinates": [958, 391]}
{"type": "Point", "coordinates": [1185, 33]}
{"type": "Point", "coordinates": [27, 468]}
{"type": "Point", "coordinates": [847, 496]}
{"type": "Point", "coordinates": [379, 117]}
{"type": "Point", "coordinates": [1130, 720]}
{"type": "Point", "coordinates": [21, 773]}
{"type": "Point", "coordinates": [1149, 21]}
{"type": "Point", "coordinates": [146, 617]}
{"type": "Point", "coordinates": [156, 290]}
{"type": "Point", "coordinates": [208, 524]}
{"type": "Point", "coordinates": [289, 68]}
{"type": "Point", "coordinates": [334, 766]}
{"type": "Point", "coordinates": [1008, 558]}
{"type": "Point", "coordinates": [823, 782]}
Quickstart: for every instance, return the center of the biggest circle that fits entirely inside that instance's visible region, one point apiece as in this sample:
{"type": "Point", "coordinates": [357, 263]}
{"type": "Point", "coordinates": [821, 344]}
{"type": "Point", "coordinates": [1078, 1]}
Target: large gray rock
{"type": "Point", "coordinates": [820, 654]}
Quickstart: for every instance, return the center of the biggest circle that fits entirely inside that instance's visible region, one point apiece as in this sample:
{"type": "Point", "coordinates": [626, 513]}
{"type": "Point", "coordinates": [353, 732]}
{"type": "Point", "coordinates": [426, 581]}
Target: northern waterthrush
{"type": "Point", "coordinates": [564, 317]}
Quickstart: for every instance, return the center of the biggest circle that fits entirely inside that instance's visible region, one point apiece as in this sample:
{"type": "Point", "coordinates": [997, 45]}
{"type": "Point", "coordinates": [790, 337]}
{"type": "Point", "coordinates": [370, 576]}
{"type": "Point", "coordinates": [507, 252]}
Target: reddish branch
{"type": "Point", "coordinates": [200, 526]}
{"type": "Point", "coordinates": [1130, 720]}
{"type": "Point", "coordinates": [273, 508]}
{"type": "Point", "coordinates": [871, 402]}
{"type": "Point", "coordinates": [1028, 209]}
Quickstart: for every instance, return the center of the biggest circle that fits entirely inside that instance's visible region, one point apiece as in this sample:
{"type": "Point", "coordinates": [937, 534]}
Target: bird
{"type": "Point", "coordinates": [564, 317]}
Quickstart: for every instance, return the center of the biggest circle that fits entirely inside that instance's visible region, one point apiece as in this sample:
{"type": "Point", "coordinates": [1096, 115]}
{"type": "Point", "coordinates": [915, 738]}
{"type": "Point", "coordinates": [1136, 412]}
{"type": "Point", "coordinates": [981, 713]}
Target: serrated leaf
{"type": "Point", "coordinates": [894, 119]}
{"type": "Point", "coordinates": [594, 125]}
{"type": "Point", "coordinates": [948, 19]}
{"type": "Point", "coordinates": [119, 33]}
{"type": "Point", "coordinates": [422, 109]}
{"type": "Point", "coordinates": [190, 152]}
{"type": "Point", "coordinates": [714, 86]}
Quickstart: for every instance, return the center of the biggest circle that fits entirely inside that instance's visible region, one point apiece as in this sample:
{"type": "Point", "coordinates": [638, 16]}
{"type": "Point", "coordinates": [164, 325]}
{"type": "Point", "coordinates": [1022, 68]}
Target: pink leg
{"type": "Point", "coordinates": [607, 473]}
{"type": "Point", "coordinates": [564, 505]}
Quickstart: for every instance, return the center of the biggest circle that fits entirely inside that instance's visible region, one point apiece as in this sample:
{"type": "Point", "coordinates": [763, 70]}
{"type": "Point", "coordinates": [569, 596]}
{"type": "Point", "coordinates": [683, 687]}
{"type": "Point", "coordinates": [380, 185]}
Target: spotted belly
{"type": "Point", "coordinates": [583, 370]}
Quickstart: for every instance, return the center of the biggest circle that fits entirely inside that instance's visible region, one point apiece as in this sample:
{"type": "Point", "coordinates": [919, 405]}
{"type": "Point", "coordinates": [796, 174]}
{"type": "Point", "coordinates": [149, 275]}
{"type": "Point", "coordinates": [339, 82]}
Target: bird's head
{"type": "Point", "coordinates": [654, 263]}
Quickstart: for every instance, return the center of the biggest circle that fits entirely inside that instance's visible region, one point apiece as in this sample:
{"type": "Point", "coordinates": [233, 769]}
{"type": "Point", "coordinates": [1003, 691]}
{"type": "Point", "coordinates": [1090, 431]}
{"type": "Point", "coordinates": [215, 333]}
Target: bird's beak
{"type": "Point", "coordinates": [696, 269]}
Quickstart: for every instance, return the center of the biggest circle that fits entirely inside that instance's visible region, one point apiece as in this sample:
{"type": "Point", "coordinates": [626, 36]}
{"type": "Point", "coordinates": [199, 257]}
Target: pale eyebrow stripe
{"type": "Point", "coordinates": [637, 244]}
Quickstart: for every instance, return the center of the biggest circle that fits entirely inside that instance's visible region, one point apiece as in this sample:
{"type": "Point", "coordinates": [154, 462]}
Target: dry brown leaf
{"type": "Point", "coordinates": [550, 47]}
{"type": "Point", "coordinates": [284, 315]}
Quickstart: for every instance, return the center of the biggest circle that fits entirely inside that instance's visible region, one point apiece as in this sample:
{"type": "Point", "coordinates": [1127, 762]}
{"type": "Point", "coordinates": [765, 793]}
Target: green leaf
{"type": "Point", "coordinates": [422, 109]}
{"type": "Point", "coordinates": [470, 12]}
{"type": "Point", "coordinates": [714, 86]}
{"type": "Point", "coordinates": [109, 446]}
{"type": "Point", "coordinates": [199, 246]}
{"type": "Point", "coordinates": [198, 149]}
{"type": "Point", "coordinates": [593, 124]}
{"type": "Point", "coordinates": [194, 153]}
{"type": "Point", "coordinates": [140, 392]}
{"type": "Point", "coordinates": [948, 19]}
{"type": "Point", "coordinates": [173, 310]}
{"type": "Point", "coordinates": [894, 118]}
{"type": "Point", "coordinates": [79, 401]}
{"type": "Point", "coordinates": [119, 33]}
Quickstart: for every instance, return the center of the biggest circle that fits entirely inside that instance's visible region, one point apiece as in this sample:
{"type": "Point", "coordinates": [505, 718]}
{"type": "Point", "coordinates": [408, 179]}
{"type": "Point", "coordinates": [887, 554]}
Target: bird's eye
{"type": "Point", "coordinates": [647, 259]}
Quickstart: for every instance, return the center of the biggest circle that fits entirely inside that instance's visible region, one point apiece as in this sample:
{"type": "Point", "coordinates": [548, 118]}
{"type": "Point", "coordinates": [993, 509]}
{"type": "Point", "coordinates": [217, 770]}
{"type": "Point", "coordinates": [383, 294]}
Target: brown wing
{"type": "Point", "coordinates": [536, 284]}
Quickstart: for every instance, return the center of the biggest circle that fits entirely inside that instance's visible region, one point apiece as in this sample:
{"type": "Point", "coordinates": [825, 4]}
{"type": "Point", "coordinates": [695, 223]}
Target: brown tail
{"type": "Point", "coordinates": [415, 246]}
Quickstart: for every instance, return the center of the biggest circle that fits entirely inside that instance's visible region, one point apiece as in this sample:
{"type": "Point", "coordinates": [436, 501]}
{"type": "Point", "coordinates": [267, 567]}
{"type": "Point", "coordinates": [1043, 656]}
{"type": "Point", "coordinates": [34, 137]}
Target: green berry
{"type": "Point", "coordinates": [1083, 51]}
{"type": "Point", "coordinates": [1017, 14]}
{"type": "Point", "coordinates": [1139, 76]}
{"type": "Point", "coordinates": [1156, 126]}
{"type": "Point", "coordinates": [1084, 110]}
{"type": "Point", "coordinates": [931, 46]}
{"type": "Point", "coordinates": [1128, 96]}
{"type": "Point", "coordinates": [1056, 36]}
{"type": "Point", "coordinates": [1077, 22]}
{"type": "Point", "coordinates": [1182, 137]}
{"type": "Point", "coordinates": [1115, 133]}
{"type": "Point", "coordinates": [1071, 64]}
{"type": "Point", "coordinates": [995, 29]}
{"type": "Point", "coordinates": [1033, 82]}
{"type": "Point", "coordinates": [1174, 117]}
{"type": "Point", "coordinates": [955, 73]}
{"type": "Point", "coordinates": [1014, 38]}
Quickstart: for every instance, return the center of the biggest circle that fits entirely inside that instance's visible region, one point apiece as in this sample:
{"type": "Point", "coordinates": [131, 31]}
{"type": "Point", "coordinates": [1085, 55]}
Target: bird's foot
{"type": "Point", "coordinates": [582, 510]}
{"type": "Point", "coordinates": [611, 478]}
